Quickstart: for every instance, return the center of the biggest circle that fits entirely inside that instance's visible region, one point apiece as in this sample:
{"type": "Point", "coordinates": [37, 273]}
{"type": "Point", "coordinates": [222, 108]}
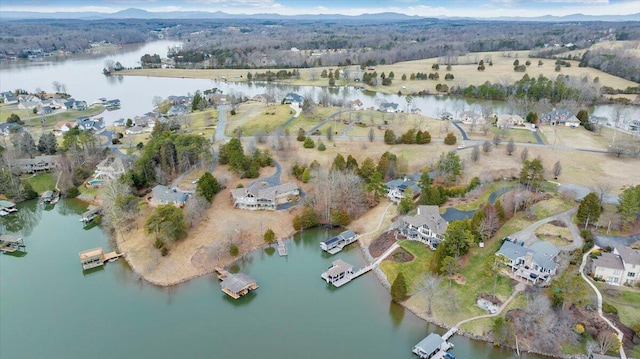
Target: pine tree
{"type": "Point", "coordinates": [589, 209]}
{"type": "Point", "coordinates": [399, 288]}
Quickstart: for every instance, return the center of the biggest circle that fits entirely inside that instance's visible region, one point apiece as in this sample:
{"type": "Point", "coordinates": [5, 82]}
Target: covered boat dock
{"type": "Point", "coordinates": [10, 244]}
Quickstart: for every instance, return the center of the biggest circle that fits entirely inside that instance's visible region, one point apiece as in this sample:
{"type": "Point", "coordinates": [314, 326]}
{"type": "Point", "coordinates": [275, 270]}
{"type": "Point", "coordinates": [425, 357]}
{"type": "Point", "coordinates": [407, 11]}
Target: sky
{"type": "Point", "coordinates": [427, 8]}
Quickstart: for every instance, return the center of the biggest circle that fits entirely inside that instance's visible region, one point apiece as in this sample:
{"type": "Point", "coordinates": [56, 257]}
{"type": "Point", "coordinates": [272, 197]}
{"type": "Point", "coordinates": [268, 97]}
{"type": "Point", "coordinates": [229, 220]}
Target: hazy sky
{"type": "Point", "coordinates": [475, 8]}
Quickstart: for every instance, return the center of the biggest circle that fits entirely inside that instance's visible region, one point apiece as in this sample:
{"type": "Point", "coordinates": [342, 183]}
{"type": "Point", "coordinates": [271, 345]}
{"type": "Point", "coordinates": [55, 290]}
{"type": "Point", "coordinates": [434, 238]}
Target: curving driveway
{"type": "Point", "coordinates": [529, 237]}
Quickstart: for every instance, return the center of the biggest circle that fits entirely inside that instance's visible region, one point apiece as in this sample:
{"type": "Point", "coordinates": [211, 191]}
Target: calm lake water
{"type": "Point", "coordinates": [49, 308]}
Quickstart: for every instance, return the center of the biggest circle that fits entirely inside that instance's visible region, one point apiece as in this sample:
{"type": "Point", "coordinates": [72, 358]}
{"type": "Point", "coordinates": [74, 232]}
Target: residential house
{"type": "Point", "coordinates": [293, 99]}
{"type": "Point", "coordinates": [426, 226]}
{"type": "Point", "coordinates": [446, 116]}
{"type": "Point", "coordinates": [260, 197]}
{"type": "Point", "coordinates": [112, 104]}
{"type": "Point", "coordinates": [135, 130]}
{"type": "Point", "coordinates": [356, 105]}
{"type": "Point", "coordinates": [397, 187]}
{"type": "Point", "coordinates": [388, 107]}
{"type": "Point", "coordinates": [180, 100]}
{"type": "Point", "coordinates": [534, 264]}
{"type": "Point", "coordinates": [509, 121]}
{"type": "Point", "coordinates": [121, 122]}
{"type": "Point", "coordinates": [110, 168]}
{"type": "Point", "coordinates": [7, 128]}
{"type": "Point", "coordinates": [622, 266]}
{"type": "Point", "coordinates": [264, 98]}
{"type": "Point", "coordinates": [95, 124]}
{"type": "Point", "coordinates": [37, 164]}
{"type": "Point", "coordinates": [63, 127]}
{"type": "Point", "coordinates": [561, 116]}
{"type": "Point", "coordinates": [472, 117]}
{"type": "Point", "coordinates": [28, 105]}
{"type": "Point", "coordinates": [177, 110]}
{"type": "Point", "coordinates": [164, 195]}
{"type": "Point", "coordinates": [10, 100]}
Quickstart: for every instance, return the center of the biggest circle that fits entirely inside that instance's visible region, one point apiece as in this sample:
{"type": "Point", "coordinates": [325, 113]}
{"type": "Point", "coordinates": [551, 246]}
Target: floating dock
{"type": "Point", "coordinates": [91, 213]}
{"type": "Point", "coordinates": [10, 244]}
{"type": "Point", "coordinates": [96, 257]}
{"type": "Point", "coordinates": [282, 249]}
{"type": "Point", "coordinates": [335, 244]}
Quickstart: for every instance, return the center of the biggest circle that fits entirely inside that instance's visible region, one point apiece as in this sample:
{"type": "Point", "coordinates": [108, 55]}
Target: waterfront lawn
{"type": "Point", "coordinates": [6, 111]}
{"type": "Point", "coordinates": [626, 301]}
{"type": "Point", "coordinates": [43, 182]}
{"type": "Point", "coordinates": [413, 269]}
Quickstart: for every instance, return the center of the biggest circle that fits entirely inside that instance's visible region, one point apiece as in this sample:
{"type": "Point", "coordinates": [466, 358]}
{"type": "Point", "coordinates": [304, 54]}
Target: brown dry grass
{"type": "Point", "coordinates": [207, 244]}
{"type": "Point", "coordinates": [559, 236]}
{"type": "Point", "coordinates": [465, 74]}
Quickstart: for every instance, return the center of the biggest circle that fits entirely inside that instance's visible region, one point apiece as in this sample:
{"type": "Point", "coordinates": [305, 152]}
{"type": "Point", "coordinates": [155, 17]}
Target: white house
{"type": "Point", "coordinates": [472, 117]}
{"type": "Point", "coordinates": [622, 266]}
{"type": "Point", "coordinates": [261, 197]}
{"type": "Point", "coordinates": [426, 226]}
{"type": "Point", "coordinates": [397, 188]}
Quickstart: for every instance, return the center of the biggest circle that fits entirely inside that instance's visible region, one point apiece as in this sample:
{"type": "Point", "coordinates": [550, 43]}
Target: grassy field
{"type": "Point", "coordinates": [254, 116]}
{"type": "Point", "coordinates": [43, 182]}
{"type": "Point", "coordinates": [557, 204]}
{"type": "Point", "coordinates": [465, 73]}
{"type": "Point", "coordinates": [413, 269]}
{"type": "Point", "coordinates": [306, 122]}
{"type": "Point", "coordinates": [559, 236]}
{"type": "Point", "coordinates": [31, 120]}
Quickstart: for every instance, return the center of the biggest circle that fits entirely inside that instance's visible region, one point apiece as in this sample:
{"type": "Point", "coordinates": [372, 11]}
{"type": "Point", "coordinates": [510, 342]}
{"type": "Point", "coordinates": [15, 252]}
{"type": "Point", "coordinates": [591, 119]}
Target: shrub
{"type": "Point", "coordinates": [340, 217]}
{"type": "Point", "coordinates": [73, 192]}
{"type": "Point", "coordinates": [308, 143]}
{"type": "Point", "coordinates": [450, 139]}
{"type": "Point", "coordinates": [269, 235]}
{"type": "Point", "coordinates": [233, 250]}
{"type": "Point", "coordinates": [322, 147]}
{"type": "Point", "coordinates": [608, 308]}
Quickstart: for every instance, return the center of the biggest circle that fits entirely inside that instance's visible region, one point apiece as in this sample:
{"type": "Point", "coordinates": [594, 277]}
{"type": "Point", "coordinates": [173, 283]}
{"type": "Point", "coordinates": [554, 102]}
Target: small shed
{"type": "Point", "coordinates": [428, 346]}
{"type": "Point", "coordinates": [238, 285]}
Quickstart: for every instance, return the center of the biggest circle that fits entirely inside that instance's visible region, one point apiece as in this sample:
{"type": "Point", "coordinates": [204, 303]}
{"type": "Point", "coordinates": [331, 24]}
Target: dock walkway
{"type": "Point", "coordinates": [282, 249]}
{"type": "Point", "coordinates": [349, 275]}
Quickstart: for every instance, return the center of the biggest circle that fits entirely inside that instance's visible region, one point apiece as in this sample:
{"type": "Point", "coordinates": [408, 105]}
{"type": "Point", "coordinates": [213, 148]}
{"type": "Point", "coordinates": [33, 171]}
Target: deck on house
{"type": "Point", "coordinates": [282, 249]}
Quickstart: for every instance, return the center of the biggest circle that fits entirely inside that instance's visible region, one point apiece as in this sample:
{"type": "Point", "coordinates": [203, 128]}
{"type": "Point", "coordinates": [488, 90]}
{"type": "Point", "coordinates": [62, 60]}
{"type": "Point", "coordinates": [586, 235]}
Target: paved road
{"type": "Point", "coordinates": [222, 124]}
{"type": "Point", "coordinates": [529, 237]}
{"type": "Point", "coordinates": [464, 134]}
{"type": "Point", "coordinates": [272, 180]}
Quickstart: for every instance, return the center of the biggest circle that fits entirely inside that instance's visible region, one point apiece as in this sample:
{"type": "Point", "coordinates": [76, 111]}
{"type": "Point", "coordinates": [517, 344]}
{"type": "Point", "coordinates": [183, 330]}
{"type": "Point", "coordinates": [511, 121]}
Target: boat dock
{"type": "Point", "coordinates": [91, 213]}
{"type": "Point", "coordinates": [341, 273]}
{"type": "Point", "coordinates": [7, 207]}
{"type": "Point", "coordinates": [10, 244]}
{"type": "Point", "coordinates": [335, 244]}
{"type": "Point", "coordinates": [96, 257]}
{"type": "Point", "coordinates": [435, 346]}
{"type": "Point", "coordinates": [282, 249]}
{"type": "Point", "coordinates": [235, 285]}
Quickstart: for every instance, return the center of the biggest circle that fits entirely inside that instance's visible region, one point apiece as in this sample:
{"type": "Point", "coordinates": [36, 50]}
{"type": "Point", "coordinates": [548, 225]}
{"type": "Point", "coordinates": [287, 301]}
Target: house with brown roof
{"type": "Point", "coordinates": [258, 196]}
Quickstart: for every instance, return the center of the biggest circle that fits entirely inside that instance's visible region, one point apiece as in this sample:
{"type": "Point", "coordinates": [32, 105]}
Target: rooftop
{"type": "Point", "coordinates": [339, 266]}
{"type": "Point", "coordinates": [431, 343]}
{"type": "Point", "coordinates": [608, 260]}
{"type": "Point", "coordinates": [628, 255]}
{"type": "Point", "coordinates": [236, 282]}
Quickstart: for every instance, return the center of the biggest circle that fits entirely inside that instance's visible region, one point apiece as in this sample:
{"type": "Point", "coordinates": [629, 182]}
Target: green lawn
{"type": "Point", "coordinates": [306, 122]}
{"type": "Point", "coordinates": [412, 270]}
{"type": "Point", "coordinates": [627, 303]}
{"type": "Point", "coordinates": [43, 182]}
{"type": "Point", "coordinates": [557, 204]}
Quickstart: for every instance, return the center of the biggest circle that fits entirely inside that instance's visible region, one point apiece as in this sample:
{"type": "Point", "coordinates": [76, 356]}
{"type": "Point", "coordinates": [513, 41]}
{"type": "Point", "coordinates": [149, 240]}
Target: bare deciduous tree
{"type": "Point", "coordinates": [607, 340]}
{"type": "Point", "coordinates": [557, 170]}
{"type": "Point", "coordinates": [486, 146]}
{"type": "Point", "coordinates": [511, 147]}
{"type": "Point", "coordinates": [524, 154]}
{"type": "Point", "coordinates": [430, 285]}
{"type": "Point", "coordinates": [497, 140]}
{"type": "Point", "coordinates": [475, 154]}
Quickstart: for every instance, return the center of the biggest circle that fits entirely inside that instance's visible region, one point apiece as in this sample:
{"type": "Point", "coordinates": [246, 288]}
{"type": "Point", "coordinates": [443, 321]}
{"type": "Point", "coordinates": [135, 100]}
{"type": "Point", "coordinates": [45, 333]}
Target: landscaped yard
{"type": "Point", "coordinates": [43, 182]}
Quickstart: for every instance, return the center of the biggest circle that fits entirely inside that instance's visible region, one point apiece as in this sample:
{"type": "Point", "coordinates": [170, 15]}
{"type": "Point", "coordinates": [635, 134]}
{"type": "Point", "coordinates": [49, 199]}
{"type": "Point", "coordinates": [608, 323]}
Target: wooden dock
{"type": "Point", "coordinates": [282, 249]}
{"type": "Point", "coordinates": [341, 272]}
{"type": "Point", "coordinates": [10, 244]}
{"type": "Point", "coordinates": [96, 257]}
{"type": "Point", "coordinates": [221, 273]}
{"type": "Point", "coordinates": [91, 213]}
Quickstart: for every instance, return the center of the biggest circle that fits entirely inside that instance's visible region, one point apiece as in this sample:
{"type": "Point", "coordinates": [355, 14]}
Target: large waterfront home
{"type": "Point", "coordinates": [164, 195]}
{"type": "Point", "coordinates": [258, 196]}
{"type": "Point", "coordinates": [536, 263]}
{"type": "Point", "coordinates": [110, 168]}
{"type": "Point", "coordinates": [426, 226]}
{"type": "Point", "coordinates": [36, 164]}
{"type": "Point", "coordinates": [622, 266]}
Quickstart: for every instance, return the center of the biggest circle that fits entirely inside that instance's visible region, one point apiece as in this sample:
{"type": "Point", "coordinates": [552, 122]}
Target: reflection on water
{"type": "Point", "coordinates": [396, 313]}
{"type": "Point", "coordinates": [23, 221]}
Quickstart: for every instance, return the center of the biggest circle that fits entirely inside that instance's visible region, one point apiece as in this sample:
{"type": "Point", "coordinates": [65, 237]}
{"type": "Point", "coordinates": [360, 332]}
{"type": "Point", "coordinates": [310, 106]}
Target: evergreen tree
{"type": "Point", "coordinates": [208, 186]}
{"type": "Point", "coordinates": [589, 209]}
{"type": "Point", "coordinates": [399, 288]}
{"type": "Point", "coordinates": [269, 235]}
{"type": "Point", "coordinates": [389, 137]}
{"type": "Point", "coordinates": [339, 163]}
{"type": "Point", "coordinates": [377, 186]}
{"type": "Point", "coordinates": [406, 204]}
{"type": "Point", "coordinates": [629, 205]}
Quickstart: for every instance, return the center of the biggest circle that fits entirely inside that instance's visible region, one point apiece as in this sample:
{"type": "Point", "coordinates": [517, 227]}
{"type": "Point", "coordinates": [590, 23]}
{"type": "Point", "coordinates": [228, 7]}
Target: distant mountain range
{"type": "Point", "coordinates": [144, 14]}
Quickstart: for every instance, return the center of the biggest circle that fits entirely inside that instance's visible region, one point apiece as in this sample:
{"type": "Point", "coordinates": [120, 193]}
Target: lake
{"type": "Point", "coordinates": [49, 308]}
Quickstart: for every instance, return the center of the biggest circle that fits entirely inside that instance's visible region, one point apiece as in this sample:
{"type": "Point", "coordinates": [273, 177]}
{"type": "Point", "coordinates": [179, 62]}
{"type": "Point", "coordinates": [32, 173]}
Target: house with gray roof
{"type": "Point", "coordinates": [622, 266]}
{"type": "Point", "coordinates": [164, 195]}
{"type": "Point", "coordinates": [428, 346]}
{"type": "Point", "coordinates": [110, 168]}
{"type": "Point", "coordinates": [6, 128]}
{"type": "Point", "coordinates": [561, 117]}
{"type": "Point", "coordinates": [397, 187]}
{"type": "Point", "coordinates": [293, 99]}
{"type": "Point", "coordinates": [426, 226]}
{"type": "Point", "coordinates": [178, 110]}
{"type": "Point", "coordinates": [535, 264]}
{"type": "Point", "coordinates": [36, 164]}
{"type": "Point", "coordinates": [259, 196]}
